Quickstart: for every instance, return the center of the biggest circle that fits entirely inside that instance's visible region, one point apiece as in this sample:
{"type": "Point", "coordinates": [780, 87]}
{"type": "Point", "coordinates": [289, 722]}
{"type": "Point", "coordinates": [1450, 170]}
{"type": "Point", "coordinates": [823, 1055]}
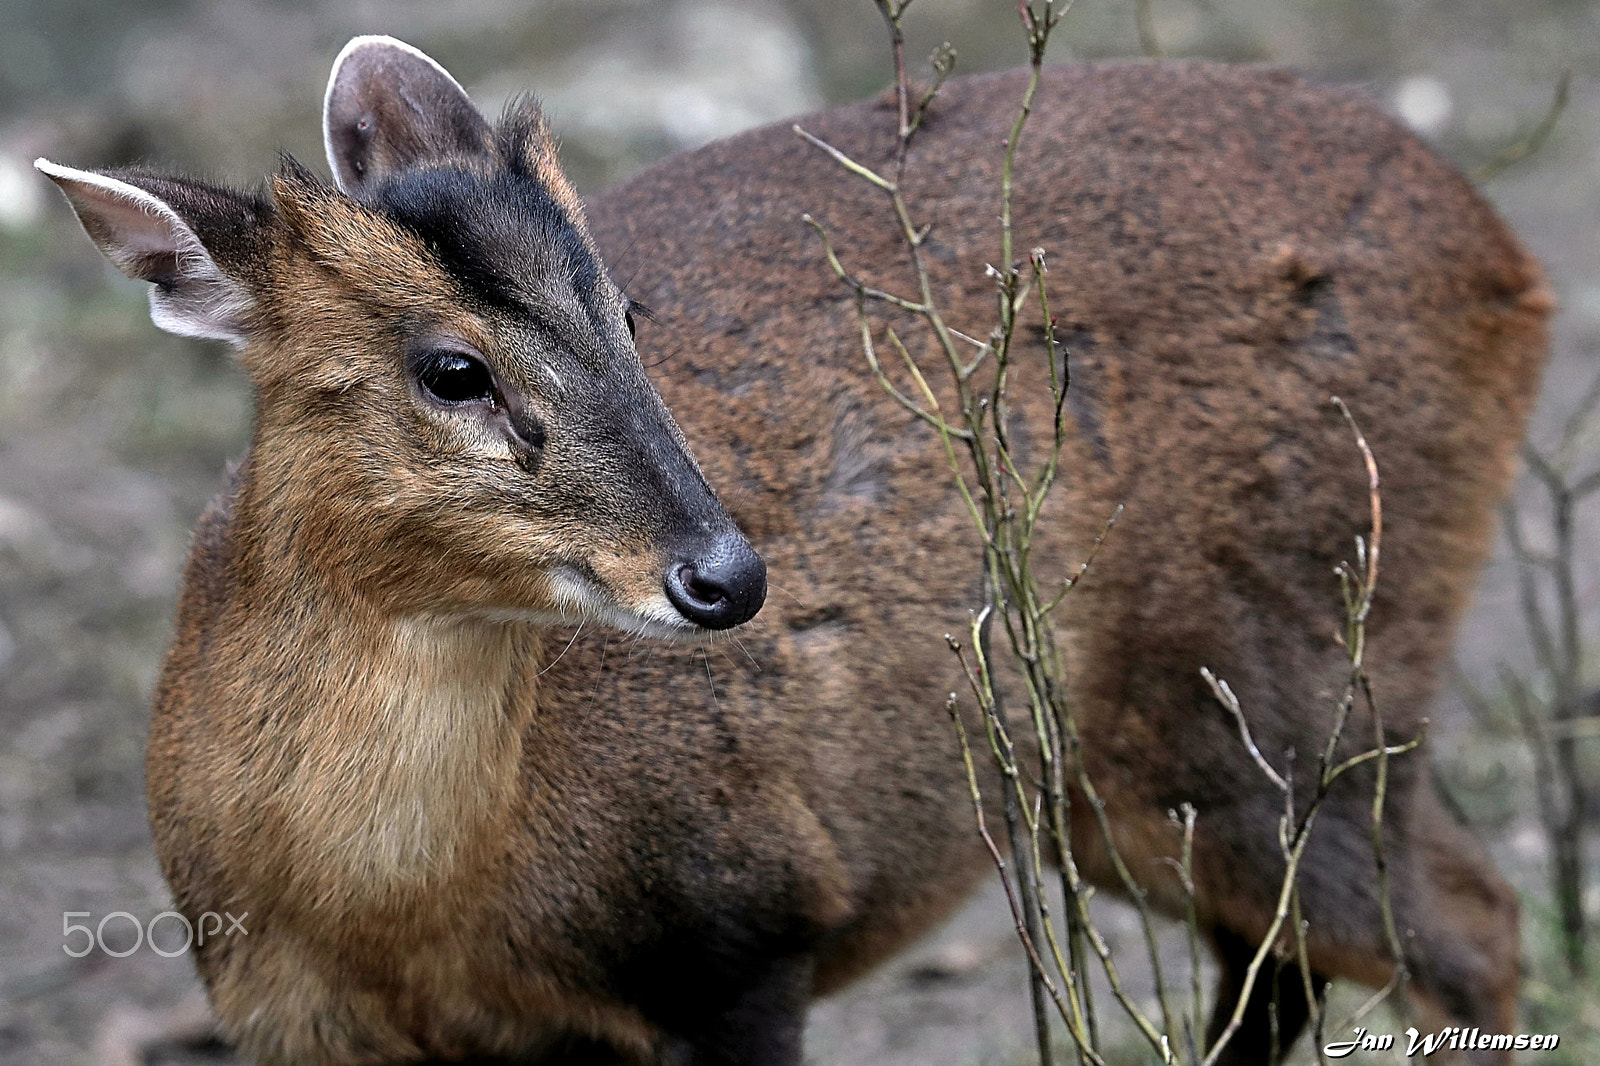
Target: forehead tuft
{"type": "Point", "coordinates": [523, 140]}
{"type": "Point", "coordinates": [507, 227]}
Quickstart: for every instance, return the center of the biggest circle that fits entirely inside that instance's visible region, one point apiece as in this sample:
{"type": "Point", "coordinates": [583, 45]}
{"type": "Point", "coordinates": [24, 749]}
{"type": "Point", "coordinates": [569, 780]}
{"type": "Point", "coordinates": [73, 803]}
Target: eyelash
{"type": "Point", "coordinates": [632, 309]}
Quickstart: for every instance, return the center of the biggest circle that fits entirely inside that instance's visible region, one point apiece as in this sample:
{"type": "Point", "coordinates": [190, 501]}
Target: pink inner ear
{"type": "Point", "coordinates": [142, 231]}
{"type": "Point", "coordinates": [138, 233]}
{"type": "Point", "coordinates": [148, 240]}
{"type": "Point", "coordinates": [388, 107]}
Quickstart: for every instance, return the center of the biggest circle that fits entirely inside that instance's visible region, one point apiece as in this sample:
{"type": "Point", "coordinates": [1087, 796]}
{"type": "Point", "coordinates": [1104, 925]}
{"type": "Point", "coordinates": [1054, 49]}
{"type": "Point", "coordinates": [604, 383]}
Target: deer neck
{"type": "Point", "coordinates": [392, 761]}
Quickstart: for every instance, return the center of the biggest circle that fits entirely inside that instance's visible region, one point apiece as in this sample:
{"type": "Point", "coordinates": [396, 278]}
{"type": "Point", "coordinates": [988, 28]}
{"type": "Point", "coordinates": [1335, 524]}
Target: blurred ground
{"type": "Point", "coordinates": [112, 435]}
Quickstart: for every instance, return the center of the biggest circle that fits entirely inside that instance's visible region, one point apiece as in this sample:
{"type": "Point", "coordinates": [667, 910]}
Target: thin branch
{"type": "Point", "coordinates": [1148, 43]}
{"type": "Point", "coordinates": [1539, 635]}
{"type": "Point", "coordinates": [1072, 582]}
{"type": "Point", "coordinates": [1520, 150]}
{"type": "Point", "coordinates": [1225, 696]}
{"type": "Point", "coordinates": [1581, 418]}
{"type": "Point", "coordinates": [865, 173]}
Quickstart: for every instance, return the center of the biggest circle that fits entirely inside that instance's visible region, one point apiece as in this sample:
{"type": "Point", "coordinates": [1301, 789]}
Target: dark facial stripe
{"type": "Point", "coordinates": [503, 237]}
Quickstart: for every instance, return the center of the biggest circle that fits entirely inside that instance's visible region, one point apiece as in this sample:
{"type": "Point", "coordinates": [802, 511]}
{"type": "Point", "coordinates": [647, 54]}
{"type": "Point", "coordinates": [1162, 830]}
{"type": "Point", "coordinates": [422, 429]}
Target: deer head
{"type": "Point", "coordinates": [452, 417]}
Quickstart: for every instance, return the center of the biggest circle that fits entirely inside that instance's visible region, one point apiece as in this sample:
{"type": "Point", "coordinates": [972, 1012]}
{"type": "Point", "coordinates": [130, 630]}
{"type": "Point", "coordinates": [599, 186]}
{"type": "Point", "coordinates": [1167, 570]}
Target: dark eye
{"type": "Point", "coordinates": [452, 377]}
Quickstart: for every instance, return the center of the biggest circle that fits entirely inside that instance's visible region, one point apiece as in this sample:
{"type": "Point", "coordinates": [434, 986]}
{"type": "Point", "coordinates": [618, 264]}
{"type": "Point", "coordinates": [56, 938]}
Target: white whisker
{"type": "Point", "coordinates": [570, 643]}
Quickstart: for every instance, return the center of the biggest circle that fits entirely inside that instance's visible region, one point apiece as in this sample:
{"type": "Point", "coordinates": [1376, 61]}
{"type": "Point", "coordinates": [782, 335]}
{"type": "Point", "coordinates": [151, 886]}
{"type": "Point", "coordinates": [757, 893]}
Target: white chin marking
{"type": "Point", "coordinates": [580, 600]}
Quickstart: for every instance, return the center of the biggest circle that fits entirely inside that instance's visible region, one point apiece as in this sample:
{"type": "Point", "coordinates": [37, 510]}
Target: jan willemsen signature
{"type": "Point", "coordinates": [1454, 1038]}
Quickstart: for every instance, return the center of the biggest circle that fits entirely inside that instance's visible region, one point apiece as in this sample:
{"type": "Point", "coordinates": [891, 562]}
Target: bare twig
{"type": "Point", "coordinates": [1225, 696]}
{"type": "Point", "coordinates": [1527, 146]}
{"type": "Point", "coordinates": [1553, 726]}
{"type": "Point", "coordinates": [1145, 18]}
{"type": "Point", "coordinates": [1006, 498]}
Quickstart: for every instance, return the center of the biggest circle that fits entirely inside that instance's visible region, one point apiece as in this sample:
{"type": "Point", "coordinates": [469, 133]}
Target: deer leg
{"type": "Point", "coordinates": [1464, 954]}
{"type": "Point", "coordinates": [1278, 994]}
{"type": "Point", "coordinates": [762, 1025]}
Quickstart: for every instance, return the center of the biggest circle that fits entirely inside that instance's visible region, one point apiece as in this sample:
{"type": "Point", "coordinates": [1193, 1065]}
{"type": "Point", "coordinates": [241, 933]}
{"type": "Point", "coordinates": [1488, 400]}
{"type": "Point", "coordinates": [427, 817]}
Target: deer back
{"type": "Point", "coordinates": [1228, 249]}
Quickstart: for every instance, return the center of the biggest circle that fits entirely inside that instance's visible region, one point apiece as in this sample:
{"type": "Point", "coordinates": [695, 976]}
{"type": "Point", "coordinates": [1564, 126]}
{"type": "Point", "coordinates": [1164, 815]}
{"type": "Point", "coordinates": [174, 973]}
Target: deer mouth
{"type": "Point", "coordinates": [581, 596]}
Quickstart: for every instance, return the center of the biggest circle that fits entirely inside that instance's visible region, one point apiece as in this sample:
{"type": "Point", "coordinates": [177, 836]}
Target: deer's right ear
{"type": "Point", "coordinates": [388, 108]}
{"type": "Point", "coordinates": [172, 232]}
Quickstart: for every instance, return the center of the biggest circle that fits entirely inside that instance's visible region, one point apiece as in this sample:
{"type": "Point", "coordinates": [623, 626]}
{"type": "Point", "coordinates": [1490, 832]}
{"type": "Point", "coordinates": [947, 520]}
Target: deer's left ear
{"type": "Point", "coordinates": [389, 108]}
{"type": "Point", "coordinates": [192, 241]}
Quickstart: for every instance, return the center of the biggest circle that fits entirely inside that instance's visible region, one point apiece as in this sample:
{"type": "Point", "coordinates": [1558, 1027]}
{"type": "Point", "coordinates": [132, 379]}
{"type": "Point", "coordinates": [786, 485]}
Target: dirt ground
{"type": "Point", "coordinates": [112, 435]}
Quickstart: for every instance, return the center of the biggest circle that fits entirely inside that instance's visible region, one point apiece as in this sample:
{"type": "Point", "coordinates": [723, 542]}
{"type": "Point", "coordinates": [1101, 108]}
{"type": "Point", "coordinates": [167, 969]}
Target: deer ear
{"type": "Point", "coordinates": [164, 231]}
{"type": "Point", "coordinates": [389, 108]}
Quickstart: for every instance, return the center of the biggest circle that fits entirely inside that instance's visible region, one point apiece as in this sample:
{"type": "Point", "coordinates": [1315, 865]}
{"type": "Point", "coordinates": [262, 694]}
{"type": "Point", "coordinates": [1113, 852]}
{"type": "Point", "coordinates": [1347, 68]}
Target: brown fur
{"type": "Point", "coordinates": [1228, 249]}
{"type": "Point", "coordinates": [457, 834]}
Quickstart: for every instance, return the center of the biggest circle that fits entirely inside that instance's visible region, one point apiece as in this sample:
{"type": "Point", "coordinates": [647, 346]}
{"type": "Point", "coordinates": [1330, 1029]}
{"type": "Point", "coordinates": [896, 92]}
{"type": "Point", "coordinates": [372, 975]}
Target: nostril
{"type": "Point", "coordinates": [720, 587]}
{"type": "Point", "coordinates": [703, 591]}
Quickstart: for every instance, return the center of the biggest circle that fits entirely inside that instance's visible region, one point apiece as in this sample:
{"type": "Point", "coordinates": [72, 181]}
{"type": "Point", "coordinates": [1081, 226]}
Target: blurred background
{"type": "Point", "coordinates": [112, 435]}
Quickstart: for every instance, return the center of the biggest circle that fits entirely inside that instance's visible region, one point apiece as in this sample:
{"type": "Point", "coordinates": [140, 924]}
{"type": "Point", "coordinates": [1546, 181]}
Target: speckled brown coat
{"type": "Point", "coordinates": [493, 835]}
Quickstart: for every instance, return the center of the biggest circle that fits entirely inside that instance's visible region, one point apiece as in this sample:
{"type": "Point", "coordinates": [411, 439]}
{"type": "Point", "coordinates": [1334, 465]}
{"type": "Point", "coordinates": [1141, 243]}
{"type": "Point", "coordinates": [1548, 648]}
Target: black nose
{"type": "Point", "coordinates": [721, 587]}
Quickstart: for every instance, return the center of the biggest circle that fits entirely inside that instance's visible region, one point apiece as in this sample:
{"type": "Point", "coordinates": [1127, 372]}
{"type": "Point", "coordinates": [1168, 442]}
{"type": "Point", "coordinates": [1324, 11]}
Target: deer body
{"type": "Point", "coordinates": [466, 818]}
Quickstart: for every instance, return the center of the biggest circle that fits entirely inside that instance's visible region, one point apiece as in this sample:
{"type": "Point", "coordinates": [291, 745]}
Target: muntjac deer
{"type": "Point", "coordinates": [397, 726]}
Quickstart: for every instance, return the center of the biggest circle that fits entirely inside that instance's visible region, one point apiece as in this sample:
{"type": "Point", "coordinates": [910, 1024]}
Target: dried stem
{"type": "Point", "coordinates": [1536, 137]}
{"type": "Point", "coordinates": [1555, 725]}
{"type": "Point", "coordinates": [1005, 500]}
{"type": "Point", "coordinates": [1144, 17]}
